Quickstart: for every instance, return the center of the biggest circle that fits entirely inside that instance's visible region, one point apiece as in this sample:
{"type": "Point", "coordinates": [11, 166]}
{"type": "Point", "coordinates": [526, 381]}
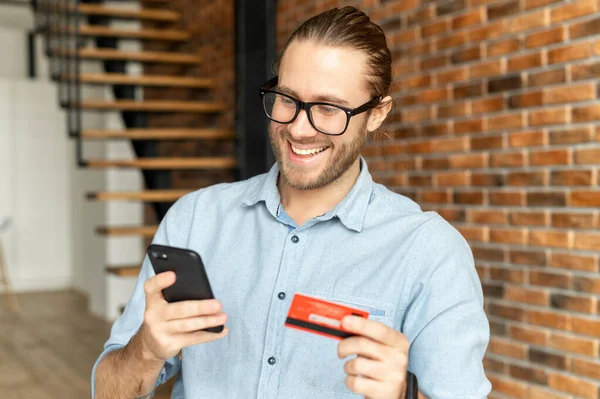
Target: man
{"type": "Point", "coordinates": [315, 224]}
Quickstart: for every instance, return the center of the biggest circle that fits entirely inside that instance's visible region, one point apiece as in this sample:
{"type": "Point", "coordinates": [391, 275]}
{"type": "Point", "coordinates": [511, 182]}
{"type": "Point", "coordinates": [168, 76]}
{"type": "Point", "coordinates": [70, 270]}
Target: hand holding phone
{"type": "Point", "coordinates": [180, 308]}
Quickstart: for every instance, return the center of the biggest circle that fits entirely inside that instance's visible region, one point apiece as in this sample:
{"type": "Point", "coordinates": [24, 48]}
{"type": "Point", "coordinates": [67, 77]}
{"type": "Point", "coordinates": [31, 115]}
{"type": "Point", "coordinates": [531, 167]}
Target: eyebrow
{"type": "Point", "coordinates": [321, 97]}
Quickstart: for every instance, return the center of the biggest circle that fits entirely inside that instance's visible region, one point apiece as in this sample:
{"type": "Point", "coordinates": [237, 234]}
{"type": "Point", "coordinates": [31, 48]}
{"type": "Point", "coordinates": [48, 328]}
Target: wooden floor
{"type": "Point", "coordinates": [49, 350]}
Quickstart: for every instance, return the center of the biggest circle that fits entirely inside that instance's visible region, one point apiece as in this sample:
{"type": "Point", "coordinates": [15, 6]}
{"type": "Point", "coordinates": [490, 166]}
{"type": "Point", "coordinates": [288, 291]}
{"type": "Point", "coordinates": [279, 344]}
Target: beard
{"type": "Point", "coordinates": [338, 162]}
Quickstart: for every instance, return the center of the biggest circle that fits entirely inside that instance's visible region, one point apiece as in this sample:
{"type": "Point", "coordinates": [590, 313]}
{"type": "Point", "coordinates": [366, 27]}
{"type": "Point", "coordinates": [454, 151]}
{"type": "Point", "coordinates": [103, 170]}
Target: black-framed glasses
{"type": "Point", "coordinates": [326, 118]}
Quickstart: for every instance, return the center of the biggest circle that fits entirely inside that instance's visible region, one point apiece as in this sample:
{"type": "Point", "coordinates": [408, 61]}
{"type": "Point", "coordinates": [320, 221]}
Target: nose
{"type": "Point", "coordinates": [301, 128]}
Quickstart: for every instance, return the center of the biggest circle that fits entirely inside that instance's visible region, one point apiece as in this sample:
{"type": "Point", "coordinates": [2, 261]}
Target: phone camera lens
{"type": "Point", "coordinates": [154, 254]}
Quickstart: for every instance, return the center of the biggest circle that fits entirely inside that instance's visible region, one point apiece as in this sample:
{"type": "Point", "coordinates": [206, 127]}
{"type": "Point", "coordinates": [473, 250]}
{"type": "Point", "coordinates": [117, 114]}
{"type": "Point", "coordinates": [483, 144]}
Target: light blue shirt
{"type": "Point", "coordinates": [376, 250]}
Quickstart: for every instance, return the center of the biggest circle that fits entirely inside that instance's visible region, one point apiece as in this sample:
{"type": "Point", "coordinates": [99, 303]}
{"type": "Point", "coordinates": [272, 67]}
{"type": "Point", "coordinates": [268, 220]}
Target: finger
{"type": "Point", "coordinates": [186, 309]}
{"type": "Point", "coordinates": [155, 284]}
{"type": "Point", "coordinates": [196, 323]}
{"type": "Point", "coordinates": [363, 347]}
{"type": "Point", "coordinates": [375, 330]}
{"type": "Point", "coordinates": [200, 337]}
{"type": "Point", "coordinates": [364, 386]}
{"type": "Point", "coordinates": [364, 367]}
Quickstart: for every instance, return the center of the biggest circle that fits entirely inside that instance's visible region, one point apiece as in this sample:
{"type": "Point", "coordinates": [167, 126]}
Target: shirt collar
{"type": "Point", "coordinates": [351, 210]}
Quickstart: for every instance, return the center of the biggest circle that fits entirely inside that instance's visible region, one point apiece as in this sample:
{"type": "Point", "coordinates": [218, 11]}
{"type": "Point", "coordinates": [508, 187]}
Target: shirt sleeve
{"type": "Point", "coordinates": [173, 230]}
{"type": "Point", "coordinates": [445, 320]}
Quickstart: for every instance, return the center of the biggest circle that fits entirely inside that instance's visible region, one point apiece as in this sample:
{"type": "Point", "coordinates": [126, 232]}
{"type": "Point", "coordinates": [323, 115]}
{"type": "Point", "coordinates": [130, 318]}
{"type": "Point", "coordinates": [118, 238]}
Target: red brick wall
{"type": "Point", "coordinates": [497, 127]}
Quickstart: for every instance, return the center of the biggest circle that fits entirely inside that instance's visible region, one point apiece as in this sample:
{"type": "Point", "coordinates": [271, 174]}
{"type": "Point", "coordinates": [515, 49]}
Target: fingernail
{"type": "Point", "coordinates": [347, 322]}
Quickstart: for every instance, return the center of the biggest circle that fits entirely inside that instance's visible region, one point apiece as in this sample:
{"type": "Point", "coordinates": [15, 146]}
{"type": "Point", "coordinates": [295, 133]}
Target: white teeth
{"type": "Point", "coordinates": [311, 151]}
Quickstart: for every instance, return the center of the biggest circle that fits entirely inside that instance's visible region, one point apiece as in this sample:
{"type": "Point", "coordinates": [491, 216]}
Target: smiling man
{"type": "Point", "coordinates": [315, 224]}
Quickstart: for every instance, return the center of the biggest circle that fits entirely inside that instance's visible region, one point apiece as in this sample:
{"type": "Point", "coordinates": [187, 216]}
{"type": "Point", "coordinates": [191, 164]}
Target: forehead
{"type": "Point", "coordinates": [310, 69]}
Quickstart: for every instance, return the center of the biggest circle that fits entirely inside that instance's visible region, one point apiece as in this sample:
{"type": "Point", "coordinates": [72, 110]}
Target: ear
{"type": "Point", "coordinates": [379, 113]}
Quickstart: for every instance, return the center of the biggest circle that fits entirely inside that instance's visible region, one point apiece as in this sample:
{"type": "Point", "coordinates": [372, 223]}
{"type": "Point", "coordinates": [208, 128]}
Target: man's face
{"type": "Point", "coordinates": [309, 159]}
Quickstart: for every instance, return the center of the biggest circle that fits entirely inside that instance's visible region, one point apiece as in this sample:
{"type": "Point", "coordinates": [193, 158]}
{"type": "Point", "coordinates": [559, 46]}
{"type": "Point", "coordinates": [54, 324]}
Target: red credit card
{"type": "Point", "coordinates": [320, 317]}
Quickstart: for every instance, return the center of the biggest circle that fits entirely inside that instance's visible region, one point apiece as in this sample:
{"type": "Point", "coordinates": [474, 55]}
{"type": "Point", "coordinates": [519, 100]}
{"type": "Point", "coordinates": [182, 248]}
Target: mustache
{"type": "Point", "coordinates": [284, 133]}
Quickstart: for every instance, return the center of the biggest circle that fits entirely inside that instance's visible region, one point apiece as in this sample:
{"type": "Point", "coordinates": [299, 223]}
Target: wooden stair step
{"type": "Point", "coordinates": [124, 271]}
{"type": "Point", "coordinates": [166, 163]}
{"type": "Point", "coordinates": [117, 12]}
{"type": "Point", "coordinates": [135, 56]}
{"type": "Point", "coordinates": [143, 80]}
{"type": "Point", "coordinates": [159, 134]}
{"type": "Point", "coordinates": [171, 35]}
{"type": "Point", "coordinates": [147, 195]}
{"type": "Point", "coordinates": [124, 231]}
{"type": "Point", "coordinates": [152, 106]}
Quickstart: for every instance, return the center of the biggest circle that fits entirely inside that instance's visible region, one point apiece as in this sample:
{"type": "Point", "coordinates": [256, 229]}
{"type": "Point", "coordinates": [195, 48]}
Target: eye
{"type": "Point", "coordinates": [287, 101]}
{"type": "Point", "coordinates": [327, 109]}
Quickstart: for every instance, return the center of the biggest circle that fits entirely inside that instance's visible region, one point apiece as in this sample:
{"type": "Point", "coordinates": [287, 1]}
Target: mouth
{"type": "Point", "coordinates": [306, 155]}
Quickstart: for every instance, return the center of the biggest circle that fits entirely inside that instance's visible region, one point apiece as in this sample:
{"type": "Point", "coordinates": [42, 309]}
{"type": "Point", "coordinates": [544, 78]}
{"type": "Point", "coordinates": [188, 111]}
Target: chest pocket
{"type": "Point", "coordinates": [314, 360]}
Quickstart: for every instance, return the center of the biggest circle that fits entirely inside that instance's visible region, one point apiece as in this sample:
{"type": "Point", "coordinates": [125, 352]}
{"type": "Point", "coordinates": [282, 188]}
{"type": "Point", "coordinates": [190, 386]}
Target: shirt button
{"type": "Point", "coordinates": [295, 239]}
{"type": "Point", "coordinates": [271, 360]}
{"type": "Point", "coordinates": [281, 296]}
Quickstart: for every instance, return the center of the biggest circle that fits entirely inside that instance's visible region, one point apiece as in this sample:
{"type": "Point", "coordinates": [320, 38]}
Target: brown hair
{"type": "Point", "coordinates": [350, 27]}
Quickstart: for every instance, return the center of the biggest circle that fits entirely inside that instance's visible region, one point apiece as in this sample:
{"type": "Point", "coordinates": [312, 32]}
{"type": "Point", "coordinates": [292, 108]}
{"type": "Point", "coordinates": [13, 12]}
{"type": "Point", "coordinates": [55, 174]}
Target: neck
{"type": "Point", "coordinates": [303, 205]}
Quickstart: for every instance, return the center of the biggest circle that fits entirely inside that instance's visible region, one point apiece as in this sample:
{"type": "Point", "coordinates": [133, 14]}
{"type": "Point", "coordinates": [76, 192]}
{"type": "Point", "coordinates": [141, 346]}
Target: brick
{"type": "Point", "coordinates": [587, 284]}
{"type": "Point", "coordinates": [488, 179]}
{"type": "Point", "coordinates": [548, 359]}
{"type": "Point", "coordinates": [550, 157]}
{"type": "Point", "coordinates": [505, 83]}
{"type": "Point", "coordinates": [507, 348]}
{"type": "Point", "coordinates": [582, 304]}
{"type": "Point", "coordinates": [572, 135]}
{"type": "Point", "coordinates": [546, 279]}
{"type": "Point", "coordinates": [507, 198]}
{"type": "Point", "coordinates": [487, 105]}
{"type": "Point", "coordinates": [451, 7]}
{"type": "Point", "coordinates": [419, 147]}
{"type": "Point", "coordinates": [406, 67]}
{"type": "Point", "coordinates": [508, 387]}
{"type": "Point", "coordinates": [450, 145]}
{"type": "Point", "coordinates": [570, 94]}
{"type": "Point", "coordinates": [452, 75]}
{"type": "Point", "coordinates": [509, 236]}
{"type": "Point", "coordinates": [421, 15]}
{"type": "Point", "coordinates": [474, 233]}
{"type": "Point", "coordinates": [486, 216]}
{"type": "Point", "coordinates": [586, 28]}
{"type": "Point", "coordinates": [587, 241]}
{"type": "Point", "coordinates": [546, 37]}
{"type": "Point", "coordinates": [405, 5]}
{"type": "Point", "coordinates": [451, 179]}
{"type": "Point", "coordinates": [405, 36]}
{"type": "Point", "coordinates": [407, 99]}
{"type": "Point", "coordinates": [549, 116]}
{"type": "Point", "coordinates": [468, 90]}
{"type": "Point", "coordinates": [586, 326]}
{"type": "Point", "coordinates": [418, 81]}
{"type": "Point", "coordinates": [528, 21]}
{"type": "Point", "coordinates": [529, 334]}
{"type": "Point", "coordinates": [586, 114]}
{"type": "Point", "coordinates": [420, 181]}
{"type": "Point", "coordinates": [585, 198]}
{"type": "Point", "coordinates": [487, 32]}
{"type": "Point", "coordinates": [588, 263]}
{"type": "Point", "coordinates": [436, 129]}
{"type": "Point", "coordinates": [466, 55]}
{"type": "Point", "coordinates": [549, 319]}
{"type": "Point", "coordinates": [405, 132]}
{"type": "Point", "coordinates": [435, 163]}
{"type": "Point", "coordinates": [556, 239]}
{"type": "Point", "coordinates": [528, 257]}
{"type": "Point", "coordinates": [435, 28]}
{"type": "Point", "coordinates": [453, 40]}
{"type": "Point", "coordinates": [452, 214]}
{"type": "Point", "coordinates": [453, 110]}
{"type": "Point", "coordinates": [489, 68]}
{"type": "Point", "coordinates": [532, 99]}
{"type": "Point", "coordinates": [492, 290]}
{"type": "Point", "coordinates": [437, 197]}
{"type": "Point", "coordinates": [418, 114]}
{"type": "Point", "coordinates": [469, 126]}
{"type": "Point", "coordinates": [433, 95]}
{"type": "Point", "coordinates": [529, 4]}
{"type": "Point", "coordinates": [508, 160]}
{"type": "Point", "coordinates": [585, 71]}
{"type": "Point", "coordinates": [487, 143]}
{"type": "Point", "coordinates": [497, 328]}
{"type": "Point", "coordinates": [536, 392]}
{"type": "Point", "coordinates": [586, 368]}
{"type": "Point", "coordinates": [490, 254]}
{"type": "Point", "coordinates": [504, 47]}
{"type": "Point", "coordinates": [567, 343]}
{"type": "Point", "coordinates": [435, 62]}
{"type": "Point", "coordinates": [528, 138]}
{"type": "Point", "coordinates": [587, 156]}
{"type": "Point", "coordinates": [503, 9]}
{"type": "Point", "coordinates": [572, 385]}
{"type": "Point", "coordinates": [527, 373]}
{"type": "Point", "coordinates": [468, 161]}
{"type": "Point", "coordinates": [494, 365]}
{"type": "Point", "coordinates": [573, 220]}
{"type": "Point", "coordinates": [569, 53]}
{"type": "Point", "coordinates": [545, 78]}
{"type": "Point", "coordinates": [573, 10]}
{"type": "Point", "coordinates": [529, 218]}
{"type": "Point", "coordinates": [527, 179]}
{"type": "Point", "coordinates": [506, 121]}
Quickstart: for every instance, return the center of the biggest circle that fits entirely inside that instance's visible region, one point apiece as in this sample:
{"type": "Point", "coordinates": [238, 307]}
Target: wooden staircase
{"type": "Point", "coordinates": [160, 24]}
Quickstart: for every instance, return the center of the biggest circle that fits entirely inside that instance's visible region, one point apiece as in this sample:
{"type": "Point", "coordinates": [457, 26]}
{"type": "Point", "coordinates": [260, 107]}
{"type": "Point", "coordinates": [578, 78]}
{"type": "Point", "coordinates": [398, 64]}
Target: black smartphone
{"type": "Point", "coordinates": [192, 282]}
